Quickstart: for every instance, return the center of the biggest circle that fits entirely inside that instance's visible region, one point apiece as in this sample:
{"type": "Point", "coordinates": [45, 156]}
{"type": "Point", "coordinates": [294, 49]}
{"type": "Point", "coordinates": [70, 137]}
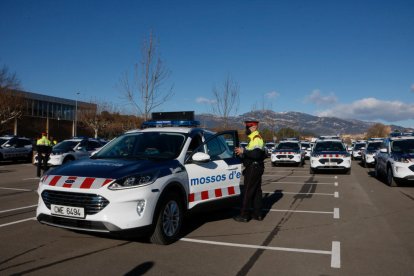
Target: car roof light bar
{"type": "Point", "coordinates": [170, 123]}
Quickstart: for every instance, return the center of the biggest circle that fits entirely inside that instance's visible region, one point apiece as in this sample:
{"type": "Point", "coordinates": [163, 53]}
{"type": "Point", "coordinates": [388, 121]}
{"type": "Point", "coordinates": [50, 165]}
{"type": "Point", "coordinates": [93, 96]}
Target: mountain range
{"type": "Point", "coordinates": [302, 122]}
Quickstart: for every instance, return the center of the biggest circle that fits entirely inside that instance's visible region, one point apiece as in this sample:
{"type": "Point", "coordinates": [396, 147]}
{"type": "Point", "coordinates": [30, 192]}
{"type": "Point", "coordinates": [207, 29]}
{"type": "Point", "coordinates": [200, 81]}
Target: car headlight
{"type": "Point", "coordinates": [136, 180]}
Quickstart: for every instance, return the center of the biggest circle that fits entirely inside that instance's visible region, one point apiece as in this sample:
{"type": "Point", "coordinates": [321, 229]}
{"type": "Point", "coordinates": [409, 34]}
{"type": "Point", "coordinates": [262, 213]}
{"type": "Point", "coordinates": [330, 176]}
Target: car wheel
{"type": "Point", "coordinates": [390, 178]}
{"type": "Point", "coordinates": [67, 160]}
{"type": "Point", "coordinates": [312, 170]}
{"type": "Point", "coordinates": [168, 221]}
{"type": "Point", "coordinates": [273, 164]}
{"type": "Point", "coordinates": [348, 171]}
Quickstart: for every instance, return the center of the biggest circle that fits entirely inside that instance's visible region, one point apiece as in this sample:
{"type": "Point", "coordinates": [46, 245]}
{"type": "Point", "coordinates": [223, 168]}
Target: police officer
{"type": "Point", "coordinates": [253, 156]}
{"type": "Point", "coordinates": [44, 147]}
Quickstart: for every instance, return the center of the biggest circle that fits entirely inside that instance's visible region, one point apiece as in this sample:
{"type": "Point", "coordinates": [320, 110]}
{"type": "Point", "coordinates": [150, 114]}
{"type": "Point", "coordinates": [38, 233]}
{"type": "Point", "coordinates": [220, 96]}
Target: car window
{"type": "Point", "coordinates": [403, 146]}
{"type": "Point", "coordinates": [288, 146]}
{"type": "Point", "coordinates": [374, 146]}
{"type": "Point", "coordinates": [65, 146]}
{"type": "Point", "coordinates": [329, 146]}
{"type": "Point", "coordinates": [92, 145]}
{"type": "Point", "coordinates": [144, 145]}
{"type": "Point", "coordinates": [218, 148]}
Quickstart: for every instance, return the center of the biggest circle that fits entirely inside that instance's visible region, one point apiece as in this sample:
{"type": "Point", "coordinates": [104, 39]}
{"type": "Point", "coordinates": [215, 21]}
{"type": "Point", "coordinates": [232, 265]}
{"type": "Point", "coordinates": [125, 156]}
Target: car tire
{"type": "Point", "coordinates": [390, 178]}
{"type": "Point", "coordinates": [348, 171]}
{"type": "Point", "coordinates": [168, 220]}
{"type": "Point", "coordinates": [312, 170]}
{"type": "Point", "coordinates": [273, 164]}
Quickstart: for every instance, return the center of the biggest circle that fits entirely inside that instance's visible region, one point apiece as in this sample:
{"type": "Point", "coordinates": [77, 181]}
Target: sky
{"type": "Point", "coordinates": [350, 59]}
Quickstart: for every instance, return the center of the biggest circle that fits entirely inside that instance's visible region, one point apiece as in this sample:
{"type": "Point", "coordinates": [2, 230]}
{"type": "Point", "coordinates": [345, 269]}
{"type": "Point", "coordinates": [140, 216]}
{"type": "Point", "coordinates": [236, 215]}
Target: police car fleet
{"type": "Point", "coordinates": [15, 148]}
{"type": "Point", "coordinates": [144, 180]}
{"type": "Point", "coordinates": [371, 148]}
{"type": "Point", "coordinates": [330, 154]}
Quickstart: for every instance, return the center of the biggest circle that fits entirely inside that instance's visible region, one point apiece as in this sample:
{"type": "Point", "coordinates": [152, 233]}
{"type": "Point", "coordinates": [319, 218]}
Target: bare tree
{"type": "Point", "coordinates": [97, 119]}
{"type": "Point", "coordinates": [378, 130]}
{"type": "Point", "coordinates": [12, 103]}
{"type": "Point", "coordinates": [226, 99]}
{"type": "Point", "coordinates": [144, 91]}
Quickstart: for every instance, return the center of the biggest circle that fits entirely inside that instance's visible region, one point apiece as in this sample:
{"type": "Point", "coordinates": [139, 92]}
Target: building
{"type": "Point", "coordinates": [57, 116]}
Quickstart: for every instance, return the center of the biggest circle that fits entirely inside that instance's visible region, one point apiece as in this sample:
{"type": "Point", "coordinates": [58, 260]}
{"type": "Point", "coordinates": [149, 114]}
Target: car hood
{"type": "Point", "coordinates": [112, 168]}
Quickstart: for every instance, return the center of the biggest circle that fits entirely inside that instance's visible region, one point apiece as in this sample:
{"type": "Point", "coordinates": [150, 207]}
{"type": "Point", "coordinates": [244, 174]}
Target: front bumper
{"type": "Point", "coordinates": [286, 158]}
{"type": "Point", "coordinates": [330, 163]}
{"type": "Point", "coordinates": [403, 170]}
{"type": "Point", "coordinates": [119, 214]}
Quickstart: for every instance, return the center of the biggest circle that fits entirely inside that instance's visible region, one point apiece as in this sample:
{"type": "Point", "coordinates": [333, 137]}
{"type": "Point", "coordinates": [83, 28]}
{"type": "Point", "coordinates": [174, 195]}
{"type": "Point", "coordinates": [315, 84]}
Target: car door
{"type": "Point", "coordinates": [217, 174]}
{"type": "Point", "coordinates": [382, 156]}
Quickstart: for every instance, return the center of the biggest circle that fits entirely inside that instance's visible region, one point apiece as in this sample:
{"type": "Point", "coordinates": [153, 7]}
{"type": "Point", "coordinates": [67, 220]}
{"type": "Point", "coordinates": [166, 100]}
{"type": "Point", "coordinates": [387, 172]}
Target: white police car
{"type": "Point", "coordinates": [329, 154]}
{"type": "Point", "coordinates": [307, 148]}
{"type": "Point", "coordinates": [15, 148]}
{"type": "Point", "coordinates": [144, 180]}
{"type": "Point", "coordinates": [395, 160]}
{"type": "Point", "coordinates": [357, 150]}
{"type": "Point", "coordinates": [368, 155]}
{"type": "Point", "coordinates": [288, 152]}
{"type": "Point", "coordinates": [72, 149]}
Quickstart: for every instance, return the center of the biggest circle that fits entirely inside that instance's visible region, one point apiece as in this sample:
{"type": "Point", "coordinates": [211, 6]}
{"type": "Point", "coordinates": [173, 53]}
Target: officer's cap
{"type": "Point", "coordinates": [44, 133]}
{"type": "Point", "coordinates": [251, 123]}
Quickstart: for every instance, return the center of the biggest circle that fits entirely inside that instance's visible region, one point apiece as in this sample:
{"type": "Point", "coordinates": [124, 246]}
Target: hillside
{"type": "Point", "coordinates": [302, 122]}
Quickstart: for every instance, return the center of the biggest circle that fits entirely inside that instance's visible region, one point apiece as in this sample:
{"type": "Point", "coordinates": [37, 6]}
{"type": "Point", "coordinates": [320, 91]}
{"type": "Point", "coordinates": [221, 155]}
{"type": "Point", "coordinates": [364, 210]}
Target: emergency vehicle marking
{"type": "Point", "coordinates": [213, 194]}
{"type": "Point", "coordinates": [75, 182]}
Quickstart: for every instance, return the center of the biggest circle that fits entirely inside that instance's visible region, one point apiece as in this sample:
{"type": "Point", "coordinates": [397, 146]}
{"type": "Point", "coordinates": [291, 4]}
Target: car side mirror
{"type": "Point", "coordinates": [383, 150]}
{"type": "Point", "coordinates": [201, 157]}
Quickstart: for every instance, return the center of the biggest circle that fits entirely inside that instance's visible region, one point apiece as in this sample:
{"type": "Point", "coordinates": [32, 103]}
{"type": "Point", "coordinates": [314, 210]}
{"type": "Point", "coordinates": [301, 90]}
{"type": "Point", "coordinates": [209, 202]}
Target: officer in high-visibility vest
{"type": "Point", "coordinates": [44, 147]}
{"type": "Point", "coordinates": [253, 160]}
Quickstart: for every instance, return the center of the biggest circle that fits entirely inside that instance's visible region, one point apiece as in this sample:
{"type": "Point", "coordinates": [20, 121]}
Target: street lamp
{"type": "Point", "coordinates": [76, 115]}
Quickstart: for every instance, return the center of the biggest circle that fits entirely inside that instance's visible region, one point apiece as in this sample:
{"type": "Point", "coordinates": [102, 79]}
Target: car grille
{"type": "Point", "coordinates": [92, 203]}
{"type": "Point", "coordinates": [284, 156]}
{"type": "Point", "coordinates": [327, 160]}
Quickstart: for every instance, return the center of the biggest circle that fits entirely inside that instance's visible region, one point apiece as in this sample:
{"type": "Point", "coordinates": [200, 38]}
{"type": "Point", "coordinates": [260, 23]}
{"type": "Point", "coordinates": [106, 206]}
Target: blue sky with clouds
{"type": "Point", "coordinates": [349, 59]}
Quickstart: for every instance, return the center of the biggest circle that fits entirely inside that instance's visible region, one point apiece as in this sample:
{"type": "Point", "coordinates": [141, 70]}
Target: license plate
{"type": "Point", "coordinates": [332, 164]}
{"type": "Point", "coordinates": [67, 211]}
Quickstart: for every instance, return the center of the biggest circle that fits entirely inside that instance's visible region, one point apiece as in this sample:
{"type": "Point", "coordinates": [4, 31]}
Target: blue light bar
{"type": "Point", "coordinates": [170, 123]}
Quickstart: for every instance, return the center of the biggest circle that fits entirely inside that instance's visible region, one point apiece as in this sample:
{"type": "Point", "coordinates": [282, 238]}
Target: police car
{"type": "Point", "coordinates": [395, 160]}
{"type": "Point", "coordinates": [15, 148]}
{"type": "Point", "coordinates": [72, 149]}
{"type": "Point", "coordinates": [330, 154]}
{"type": "Point", "coordinates": [368, 155]}
{"type": "Point", "coordinates": [357, 149]}
{"type": "Point", "coordinates": [307, 148]}
{"type": "Point", "coordinates": [288, 152]}
{"type": "Point", "coordinates": [144, 180]}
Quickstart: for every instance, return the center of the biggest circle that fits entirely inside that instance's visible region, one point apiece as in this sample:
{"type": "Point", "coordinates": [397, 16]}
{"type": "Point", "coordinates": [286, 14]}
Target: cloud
{"type": "Point", "coordinates": [272, 95]}
{"type": "Point", "coordinates": [202, 100]}
{"type": "Point", "coordinates": [317, 98]}
{"type": "Point", "coordinates": [372, 109]}
{"type": "Point", "coordinates": [412, 87]}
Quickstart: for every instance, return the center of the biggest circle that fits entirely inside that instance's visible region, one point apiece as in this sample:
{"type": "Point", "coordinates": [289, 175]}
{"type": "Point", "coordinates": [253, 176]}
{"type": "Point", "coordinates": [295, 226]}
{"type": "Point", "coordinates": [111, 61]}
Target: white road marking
{"type": "Point", "coordinates": [16, 189]}
{"type": "Point", "coordinates": [336, 184]}
{"type": "Point", "coordinates": [336, 213]}
{"type": "Point", "coordinates": [20, 208]}
{"type": "Point", "coordinates": [295, 176]}
{"type": "Point", "coordinates": [31, 178]}
{"type": "Point", "coordinates": [303, 183]}
{"type": "Point", "coordinates": [335, 253]}
{"type": "Point", "coordinates": [336, 194]}
{"type": "Point", "coordinates": [15, 222]}
{"type": "Point", "coordinates": [290, 193]}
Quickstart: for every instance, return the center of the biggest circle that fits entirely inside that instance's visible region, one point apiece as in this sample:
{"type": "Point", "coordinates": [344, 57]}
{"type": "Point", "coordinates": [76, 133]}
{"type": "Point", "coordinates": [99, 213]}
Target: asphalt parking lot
{"type": "Point", "coordinates": [322, 224]}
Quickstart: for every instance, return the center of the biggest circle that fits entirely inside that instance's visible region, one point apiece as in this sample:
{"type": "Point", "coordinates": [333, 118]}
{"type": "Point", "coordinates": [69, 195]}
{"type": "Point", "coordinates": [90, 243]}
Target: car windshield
{"type": "Point", "coordinates": [144, 145]}
{"type": "Point", "coordinates": [2, 141]}
{"type": "Point", "coordinates": [305, 145]}
{"type": "Point", "coordinates": [269, 146]}
{"type": "Point", "coordinates": [359, 146]}
{"type": "Point", "coordinates": [288, 146]}
{"type": "Point", "coordinates": [403, 146]}
{"type": "Point", "coordinates": [65, 146]}
{"type": "Point", "coordinates": [329, 146]}
{"type": "Point", "coordinates": [374, 146]}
